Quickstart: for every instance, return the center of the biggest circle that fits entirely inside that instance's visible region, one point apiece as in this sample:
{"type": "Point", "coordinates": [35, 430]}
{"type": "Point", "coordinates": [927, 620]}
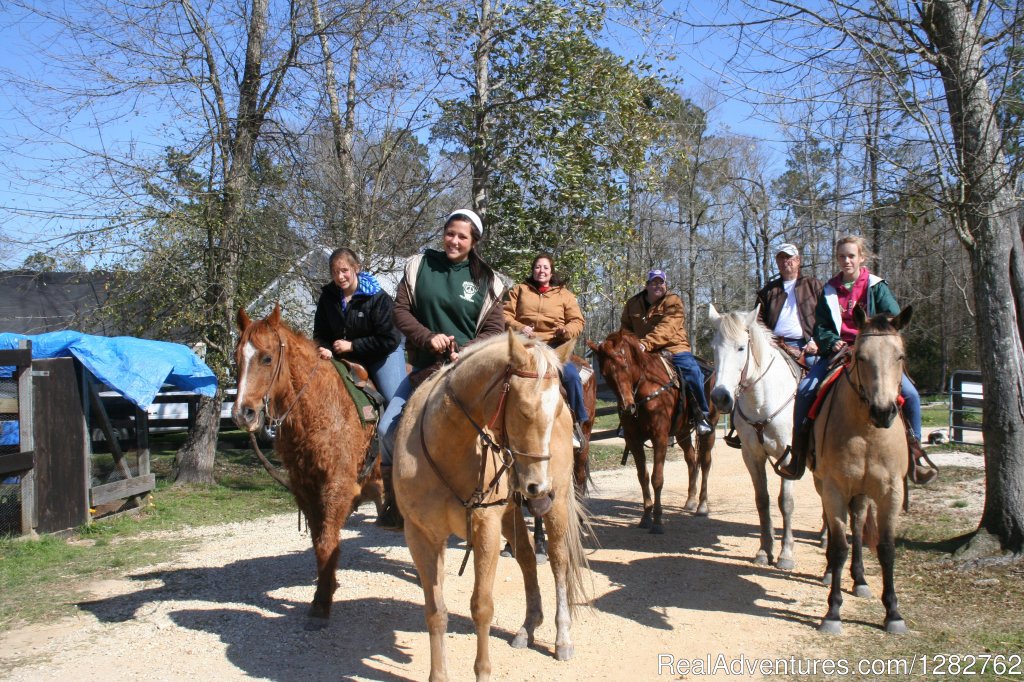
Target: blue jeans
{"type": "Point", "coordinates": [808, 389]}
{"type": "Point", "coordinates": [388, 373]}
{"type": "Point", "coordinates": [388, 423]}
{"type": "Point", "coordinates": [574, 391]}
{"type": "Point", "coordinates": [688, 367]}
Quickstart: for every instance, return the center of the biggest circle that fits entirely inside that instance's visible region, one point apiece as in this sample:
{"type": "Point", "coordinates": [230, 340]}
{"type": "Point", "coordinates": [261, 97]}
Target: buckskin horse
{"type": "Point", "coordinates": [492, 424]}
{"type": "Point", "coordinates": [757, 382]}
{"type": "Point", "coordinates": [647, 392]}
{"type": "Point", "coordinates": [861, 459]}
{"type": "Point", "coordinates": [320, 438]}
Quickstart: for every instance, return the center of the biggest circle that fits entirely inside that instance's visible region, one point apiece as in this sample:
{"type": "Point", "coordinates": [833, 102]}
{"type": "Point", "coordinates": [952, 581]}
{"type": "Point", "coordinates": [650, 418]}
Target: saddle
{"type": "Point", "coordinates": [685, 395]}
{"type": "Point", "coordinates": [364, 394]}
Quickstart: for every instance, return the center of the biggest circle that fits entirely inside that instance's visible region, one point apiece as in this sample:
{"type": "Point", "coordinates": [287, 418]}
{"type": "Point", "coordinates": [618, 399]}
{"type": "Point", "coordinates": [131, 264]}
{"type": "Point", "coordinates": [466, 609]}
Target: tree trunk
{"type": "Point", "coordinates": [194, 460]}
{"type": "Point", "coordinates": [991, 218]}
{"type": "Point", "coordinates": [479, 152]}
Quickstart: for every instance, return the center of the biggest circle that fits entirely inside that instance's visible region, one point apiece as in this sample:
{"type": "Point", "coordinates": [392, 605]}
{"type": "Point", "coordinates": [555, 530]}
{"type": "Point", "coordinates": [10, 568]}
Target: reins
{"type": "Point", "coordinates": [744, 386]}
{"type": "Point", "coordinates": [275, 422]}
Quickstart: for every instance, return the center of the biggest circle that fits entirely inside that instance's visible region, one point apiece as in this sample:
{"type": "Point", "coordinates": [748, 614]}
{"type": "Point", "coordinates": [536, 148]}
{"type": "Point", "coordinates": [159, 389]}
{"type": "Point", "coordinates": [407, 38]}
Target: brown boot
{"type": "Point", "coordinates": [921, 470]}
{"type": "Point", "coordinates": [390, 517]}
{"type": "Point", "coordinates": [794, 468]}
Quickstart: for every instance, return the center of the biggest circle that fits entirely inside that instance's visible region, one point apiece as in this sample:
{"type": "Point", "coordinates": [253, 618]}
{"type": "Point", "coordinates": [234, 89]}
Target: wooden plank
{"type": "Point", "coordinates": [19, 357]}
{"type": "Point", "coordinates": [26, 435]}
{"type": "Point", "coordinates": [142, 440]}
{"type": "Point", "coordinates": [18, 461]}
{"type": "Point", "coordinates": [8, 406]}
{"type": "Point", "coordinates": [118, 490]}
{"type": "Point", "coordinates": [100, 413]}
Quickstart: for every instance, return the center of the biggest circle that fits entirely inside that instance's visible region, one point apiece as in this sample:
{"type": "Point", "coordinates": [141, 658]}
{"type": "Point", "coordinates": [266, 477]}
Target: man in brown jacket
{"type": "Point", "coordinates": [659, 320]}
{"type": "Point", "coordinates": [787, 303]}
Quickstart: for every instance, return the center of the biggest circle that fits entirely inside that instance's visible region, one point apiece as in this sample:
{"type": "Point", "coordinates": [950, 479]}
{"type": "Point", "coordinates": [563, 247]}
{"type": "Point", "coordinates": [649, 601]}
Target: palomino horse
{"type": "Point", "coordinates": [492, 424]}
{"type": "Point", "coordinates": [862, 458]}
{"type": "Point", "coordinates": [320, 438]}
{"type": "Point", "coordinates": [758, 381]}
{"type": "Point", "coordinates": [647, 393]}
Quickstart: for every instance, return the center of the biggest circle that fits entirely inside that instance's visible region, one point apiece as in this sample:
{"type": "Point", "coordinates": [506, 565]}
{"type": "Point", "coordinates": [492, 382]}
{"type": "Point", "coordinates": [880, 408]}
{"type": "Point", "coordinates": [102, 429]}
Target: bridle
{"type": "Point", "coordinates": [503, 456]}
{"type": "Point", "coordinates": [743, 386]}
{"type": "Point", "coordinates": [858, 386]}
{"type": "Point", "coordinates": [272, 421]}
{"type": "Point", "coordinates": [642, 376]}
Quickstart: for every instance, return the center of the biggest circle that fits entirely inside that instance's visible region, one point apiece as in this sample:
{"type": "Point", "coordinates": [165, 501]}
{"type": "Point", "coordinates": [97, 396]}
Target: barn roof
{"type": "Point", "coordinates": [38, 302]}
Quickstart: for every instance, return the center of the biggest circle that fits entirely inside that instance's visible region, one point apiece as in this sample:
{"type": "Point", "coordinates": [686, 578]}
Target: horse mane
{"type": "Point", "coordinates": [543, 355]}
{"type": "Point", "coordinates": [880, 324]}
{"type": "Point", "coordinates": [734, 326]}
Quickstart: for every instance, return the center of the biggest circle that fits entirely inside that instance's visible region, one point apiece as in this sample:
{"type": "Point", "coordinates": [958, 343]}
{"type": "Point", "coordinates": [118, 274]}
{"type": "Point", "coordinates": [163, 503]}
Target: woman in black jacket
{"type": "Point", "coordinates": [353, 321]}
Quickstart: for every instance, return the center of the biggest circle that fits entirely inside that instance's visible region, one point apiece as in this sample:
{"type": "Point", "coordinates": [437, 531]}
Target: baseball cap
{"type": "Point", "coordinates": [657, 273]}
{"type": "Point", "coordinates": [788, 249]}
{"type": "Point", "coordinates": [469, 215]}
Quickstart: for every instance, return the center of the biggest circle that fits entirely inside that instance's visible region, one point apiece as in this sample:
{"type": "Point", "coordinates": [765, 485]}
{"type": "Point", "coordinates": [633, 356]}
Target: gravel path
{"type": "Point", "coordinates": [234, 607]}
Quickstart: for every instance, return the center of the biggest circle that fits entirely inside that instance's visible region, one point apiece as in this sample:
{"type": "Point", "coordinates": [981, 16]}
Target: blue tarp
{"type": "Point", "coordinates": [136, 368]}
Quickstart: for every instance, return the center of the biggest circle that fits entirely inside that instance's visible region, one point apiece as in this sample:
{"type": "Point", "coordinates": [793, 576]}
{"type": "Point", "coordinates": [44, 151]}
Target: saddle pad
{"type": "Point", "coordinates": [826, 386]}
{"type": "Point", "coordinates": [365, 407]}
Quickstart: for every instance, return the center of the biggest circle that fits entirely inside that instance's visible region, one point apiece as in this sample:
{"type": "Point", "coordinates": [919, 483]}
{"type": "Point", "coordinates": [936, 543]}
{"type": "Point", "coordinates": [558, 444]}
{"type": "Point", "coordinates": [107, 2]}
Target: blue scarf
{"type": "Point", "coordinates": [368, 286]}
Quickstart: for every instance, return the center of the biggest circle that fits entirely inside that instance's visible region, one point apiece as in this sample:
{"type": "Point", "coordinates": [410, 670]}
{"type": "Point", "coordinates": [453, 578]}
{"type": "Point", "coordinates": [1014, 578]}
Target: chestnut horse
{"type": "Point", "coordinates": [320, 438]}
{"type": "Point", "coordinates": [862, 459]}
{"type": "Point", "coordinates": [492, 424]}
{"type": "Point", "coordinates": [647, 393]}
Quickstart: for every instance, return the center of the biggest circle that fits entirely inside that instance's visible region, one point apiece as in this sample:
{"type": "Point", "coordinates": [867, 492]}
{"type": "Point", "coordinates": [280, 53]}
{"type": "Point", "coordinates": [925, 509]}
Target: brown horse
{"type": "Point", "coordinates": [320, 438]}
{"type": "Point", "coordinates": [490, 425]}
{"type": "Point", "coordinates": [862, 458]}
{"type": "Point", "coordinates": [647, 394]}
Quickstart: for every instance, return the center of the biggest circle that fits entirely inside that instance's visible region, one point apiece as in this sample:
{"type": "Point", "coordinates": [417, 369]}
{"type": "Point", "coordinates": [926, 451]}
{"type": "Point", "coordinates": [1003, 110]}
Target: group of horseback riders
{"type": "Point", "coordinates": [451, 298]}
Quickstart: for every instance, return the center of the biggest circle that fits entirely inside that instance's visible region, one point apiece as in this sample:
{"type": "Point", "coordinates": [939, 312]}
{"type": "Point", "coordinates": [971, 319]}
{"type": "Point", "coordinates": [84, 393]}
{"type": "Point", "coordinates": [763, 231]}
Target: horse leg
{"type": "Point", "coordinates": [640, 459]}
{"type": "Point", "coordinates": [704, 446]}
{"type": "Point", "coordinates": [486, 541]}
{"type": "Point", "coordinates": [836, 554]}
{"type": "Point", "coordinates": [428, 556]}
{"type": "Point", "coordinates": [539, 544]}
{"type": "Point", "coordinates": [660, 443]}
{"type": "Point", "coordinates": [887, 513]}
{"type": "Point", "coordinates": [558, 520]}
{"type": "Point", "coordinates": [690, 455]}
{"type": "Point", "coordinates": [325, 520]}
{"type": "Point", "coordinates": [756, 469]}
{"type": "Point", "coordinates": [858, 517]}
{"type": "Point", "coordinates": [514, 528]}
{"type": "Point", "coordinates": [786, 561]}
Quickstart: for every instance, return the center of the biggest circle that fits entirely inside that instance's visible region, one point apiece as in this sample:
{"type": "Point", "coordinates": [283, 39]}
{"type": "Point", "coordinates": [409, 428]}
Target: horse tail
{"type": "Point", "coordinates": [577, 526]}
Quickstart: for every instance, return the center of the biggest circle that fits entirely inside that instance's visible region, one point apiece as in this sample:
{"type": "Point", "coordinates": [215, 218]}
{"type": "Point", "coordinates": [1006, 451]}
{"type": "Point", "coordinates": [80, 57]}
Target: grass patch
{"type": "Point", "coordinates": [951, 609]}
{"type": "Point", "coordinates": [43, 579]}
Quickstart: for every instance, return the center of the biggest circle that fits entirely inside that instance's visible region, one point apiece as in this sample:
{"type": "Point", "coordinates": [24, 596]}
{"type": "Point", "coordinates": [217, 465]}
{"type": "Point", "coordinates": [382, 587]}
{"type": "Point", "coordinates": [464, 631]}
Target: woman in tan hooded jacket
{"type": "Point", "coordinates": [542, 307]}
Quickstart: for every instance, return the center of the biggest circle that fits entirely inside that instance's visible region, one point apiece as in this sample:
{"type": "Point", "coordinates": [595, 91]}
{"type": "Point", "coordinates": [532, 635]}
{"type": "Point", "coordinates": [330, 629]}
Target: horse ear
{"type": "Point", "coordinates": [275, 316]}
{"type": "Point", "coordinates": [516, 350]}
{"type": "Point", "coordinates": [713, 315]}
{"type": "Point", "coordinates": [592, 346]}
{"type": "Point", "coordinates": [564, 351]}
{"type": "Point", "coordinates": [903, 319]}
{"type": "Point", "coordinates": [860, 318]}
{"type": "Point", "coordinates": [752, 316]}
{"type": "Point", "coordinates": [243, 319]}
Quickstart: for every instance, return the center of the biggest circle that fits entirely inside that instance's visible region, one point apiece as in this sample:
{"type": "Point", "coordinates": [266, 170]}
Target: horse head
{"type": "Point", "coordinates": [878, 363]}
{"type": "Point", "coordinates": [619, 359]}
{"type": "Point", "coordinates": [530, 413]}
{"type": "Point", "coordinates": [735, 354]}
{"type": "Point", "coordinates": [259, 356]}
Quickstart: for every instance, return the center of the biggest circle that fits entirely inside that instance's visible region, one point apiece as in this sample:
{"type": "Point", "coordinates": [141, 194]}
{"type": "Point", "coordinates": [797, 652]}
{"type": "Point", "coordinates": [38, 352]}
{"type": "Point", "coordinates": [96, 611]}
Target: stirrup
{"type": "Point", "coordinates": [922, 473]}
{"type": "Point", "coordinates": [784, 471]}
{"type": "Point", "coordinates": [732, 439]}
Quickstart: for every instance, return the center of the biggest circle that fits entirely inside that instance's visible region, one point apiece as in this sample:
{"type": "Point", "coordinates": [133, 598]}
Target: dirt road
{"type": "Point", "coordinates": [234, 607]}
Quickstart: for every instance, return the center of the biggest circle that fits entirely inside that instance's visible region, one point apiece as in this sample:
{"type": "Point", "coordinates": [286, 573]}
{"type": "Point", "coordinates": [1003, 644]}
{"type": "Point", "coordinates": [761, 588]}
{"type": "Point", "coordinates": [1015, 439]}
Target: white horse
{"type": "Point", "coordinates": [759, 380]}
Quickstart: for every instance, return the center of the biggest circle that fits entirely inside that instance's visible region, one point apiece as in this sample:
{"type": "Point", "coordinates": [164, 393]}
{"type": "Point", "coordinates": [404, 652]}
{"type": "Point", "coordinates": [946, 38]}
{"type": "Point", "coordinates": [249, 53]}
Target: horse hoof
{"type": "Point", "coordinates": [564, 653]}
{"type": "Point", "coordinates": [690, 507]}
{"type": "Point", "coordinates": [826, 579]}
{"type": "Point", "coordinates": [645, 522]}
{"type": "Point", "coordinates": [522, 639]}
{"type": "Point", "coordinates": [657, 529]}
{"type": "Point", "coordinates": [862, 591]}
{"type": "Point", "coordinates": [831, 627]}
{"type": "Point", "coordinates": [761, 559]}
{"type": "Point", "coordinates": [785, 564]}
{"type": "Point", "coordinates": [703, 510]}
{"type": "Point", "coordinates": [542, 558]}
{"type": "Point", "coordinates": [896, 627]}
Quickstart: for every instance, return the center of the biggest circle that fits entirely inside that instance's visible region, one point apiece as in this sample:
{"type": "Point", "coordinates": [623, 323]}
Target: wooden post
{"type": "Point", "coordinates": [26, 436]}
